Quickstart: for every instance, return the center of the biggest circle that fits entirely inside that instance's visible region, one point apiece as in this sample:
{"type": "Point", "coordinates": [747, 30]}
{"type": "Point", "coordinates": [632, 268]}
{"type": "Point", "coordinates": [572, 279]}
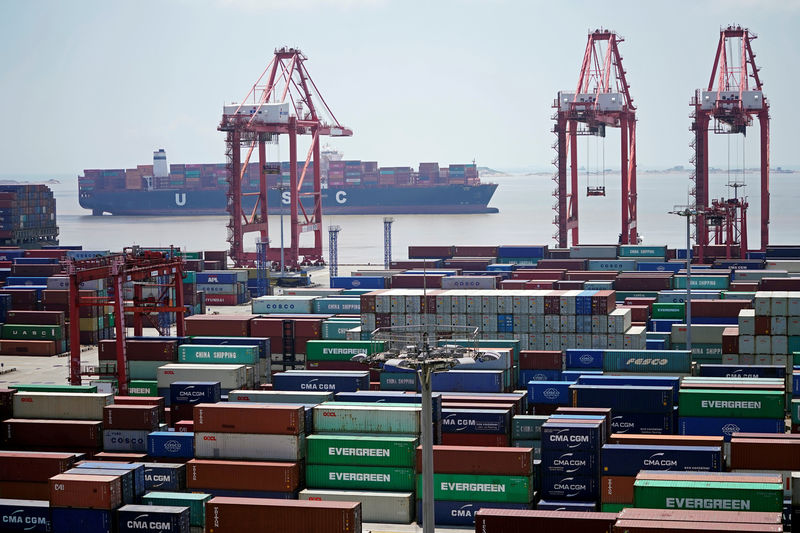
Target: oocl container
{"type": "Point", "coordinates": [717, 496]}
{"type": "Point", "coordinates": [234, 515]}
{"type": "Point", "coordinates": [362, 450]}
{"type": "Point", "coordinates": [153, 518]}
{"type": "Point", "coordinates": [65, 406]}
{"type": "Point", "coordinates": [330, 418]}
{"type": "Point", "coordinates": [93, 492]}
{"type": "Point", "coordinates": [731, 403]}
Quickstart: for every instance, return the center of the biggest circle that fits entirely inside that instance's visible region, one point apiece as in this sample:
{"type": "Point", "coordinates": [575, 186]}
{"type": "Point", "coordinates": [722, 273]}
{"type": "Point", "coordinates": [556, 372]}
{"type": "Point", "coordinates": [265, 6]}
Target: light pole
{"type": "Point", "coordinates": [281, 188]}
{"type": "Point", "coordinates": [688, 213]}
{"type": "Point", "coordinates": [425, 360]}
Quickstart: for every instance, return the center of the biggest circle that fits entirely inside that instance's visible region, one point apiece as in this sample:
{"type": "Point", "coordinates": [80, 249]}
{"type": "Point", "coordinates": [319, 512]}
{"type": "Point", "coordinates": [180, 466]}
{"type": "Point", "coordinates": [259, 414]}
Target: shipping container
{"type": "Point", "coordinates": [272, 396]}
{"type": "Point", "coordinates": [164, 477]}
{"type": "Point", "coordinates": [480, 460]}
{"type": "Point", "coordinates": [632, 399]}
{"type": "Point", "coordinates": [33, 466]}
{"type": "Point", "coordinates": [54, 434]}
{"type": "Point", "coordinates": [330, 418]}
{"type": "Point", "coordinates": [483, 488]}
{"type": "Point", "coordinates": [524, 521]}
{"type": "Point", "coordinates": [131, 417]}
{"type": "Point", "coordinates": [245, 446]}
{"type": "Point", "coordinates": [153, 518]}
{"type": "Point", "coordinates": [731, 403]}
{"type": "Point", "coordinates": [92, 492]}
{"type": "Point", "coordinates": [170, 444]}
{"type": "Point", "coordinates": [242, 355]}
{"type": "Point", "coordinates": [462, 513]}
{"type": "Point", "coordinates": [194, 392]}
{"type": "Point", "coordinates": [194, 501]}
{"type": "Point", "coordinates": [357, 477]}
{"type": "Point", "coordinates": [25, 515]}
{"type": "Point", "coordinates": [125, 440]}
{"type": "Point", "coordinates": [68, 406]}
{"type": "Point", "coordinates": [383, 506]}
{"type": "Point", "coordinates": [629, 459]}
{"type": "Point", "coordinates": [249, 418]}
{"type": "Point", "coordinates": [245, 476]}
{"type": "Point", "coordinates": [82, 520]}
{"type": "Point", "coordinates": [695, 495]}
{"type": "Point", "coordinates": [234, 515]}
{"type": "Point", "coordinates": [727, 427]}
{"type": "Point", "coordinates": [363, 450]}
{"type": "Point", "coordinates": [326, 381]}
{"type": "Point", "coordinates": [230, 377]}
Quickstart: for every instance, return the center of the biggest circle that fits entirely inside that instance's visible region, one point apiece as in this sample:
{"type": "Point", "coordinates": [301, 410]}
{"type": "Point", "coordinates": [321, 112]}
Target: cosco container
{"type": "Point", "coordinates": [235, 515]}
{"type": "Point", "coordinates": [383, 507]}
{"type": "Point", "coordinates": [125, 440]}
{"type": "Point", "coordinates": [731, 403]}
{"type": "Point", "coordinates": [25, 515]}
{"type": "Point", "coordinates": [462, 513]}
{"type": "Point", "coordinates": [164, 477]}
{"type": "Point", "coordinates": [170, 444]}
{"type": "Point", "coordinates": [362, 450]}
{"type": "Point", "coordinates": [198, 353]}
{"type": "Point", "coordinates": [726, 427]}
{"type": "Point", "coordinates": [648, 361]}
{"type": "Point", "coordinates": [152, 518]}
{"type": "Point", "coordinates": [481, 488]}
{"type": "Point", "coordinates": [230, 377]}
{"type": "Point", "coordinates": [717, 496]}
{"type": "Point", "coordinates": [65, 406]}
{"type": "Point", "coordinates": [330, 418]}
{"type": "Point", "coordinates": [632, 399]}
{"type": "Point", "coordinates": [196, 502]}
{"type": "Point", "coordinates": [283, 305]}
{"type": "Point", "coordinates": [249, 446]}
{"type": "Point", "coordinates": [629, 459]}
{"type": "Point", "coordinates": [326, 381]}
{"type": "Point", "coordinates": [583, 358]}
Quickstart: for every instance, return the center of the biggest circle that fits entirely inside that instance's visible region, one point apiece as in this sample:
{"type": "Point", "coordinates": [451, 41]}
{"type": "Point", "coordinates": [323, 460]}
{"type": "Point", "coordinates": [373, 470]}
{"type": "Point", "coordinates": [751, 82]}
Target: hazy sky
{"type": "Point", "coordinates": [88, 84]}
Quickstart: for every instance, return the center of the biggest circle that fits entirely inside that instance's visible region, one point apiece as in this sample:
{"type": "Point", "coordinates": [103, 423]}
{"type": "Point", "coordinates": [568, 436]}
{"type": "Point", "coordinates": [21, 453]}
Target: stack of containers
{"type": "Point", "coordinates": [223, 287]}
{"type": "Point", "coordinates": [144, 356]}
{"type": "Point", "coordinates": [125, 427]}
{"type": "Point", "coordinates": [544, 397]}
{"type": "Point", "coordinates": [230, 377]}
{"type": "Point", "coordinates": [469, 478]}
{"type": "Point", "coordinates": [234, 515]}
{"type": "Point", "coordinates": [90, 316]}
{"type": "Point", "coordinates": [264, 345]}
{"type": "Point", "coordinates": [28, 214]}
{"type": "Point", "coordinates": [633, 406]}
{"type": "Point", "coordinates": [184, 395]}
{"type": "Point", "coordinates": [285, 323]}
{"type": "Point", "coordinates": [33, 333]}
{"type": "Point", "coordinates": [365, 451]}
{"type": "Point", "coordinates": [770, 332]}
{"type": "Point", "coordinates": [195, 502]}
{"type": "Point", "coordinates": [337, 354]}
{"type": "Point", "coordinates": [321, 381]}
{"type": "Point", "coordinates": [225, 354]}
{"type": "Point", "coordinates": [526, 432]}
{"type": "Point", "coordinates": [85, 502]}
{"type": "Point", "coordinates": [25, 475]}
{"type": "Point", "coordinates": [539, 365]}
{"type": "Point", "coordinates": [771, 453]}
{"type": "Point", "coordinates": [635, 520]}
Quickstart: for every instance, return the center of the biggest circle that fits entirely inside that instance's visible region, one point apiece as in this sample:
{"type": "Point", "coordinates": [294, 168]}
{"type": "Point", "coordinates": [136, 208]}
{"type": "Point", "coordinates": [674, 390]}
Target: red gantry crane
{"type": "Point", "coordinates": [283, 101]}
{"type": "Point", "coordinates": [601, 99]}
{"type": "Point", "coordinates": [732, 102]}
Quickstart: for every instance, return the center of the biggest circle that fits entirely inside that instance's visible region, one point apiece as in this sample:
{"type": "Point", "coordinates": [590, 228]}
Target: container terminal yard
{"type": "Point", "coordinates": [622, 387]}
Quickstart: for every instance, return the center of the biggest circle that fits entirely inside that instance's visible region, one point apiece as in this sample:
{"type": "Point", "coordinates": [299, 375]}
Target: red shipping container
{"type": "Point", "coordinates": [743, 286]}
{"type": "Point", "coordinates": [155, 350]}
{"type": "Point", "coordinates": [22, 299]}
{"type": "Point", "coordinates": [119, 457]}
{"type": "Point", "coordinates": [541, 360]}
{"type": "Point", "coordinates": [474, 439]}
{"type": "Point", "coordinates": [603, 302]}
{"type": "Point", "coordinates": [512, 285]}
{"type": "Point", "coordinates": [431, 252]}
{"type": "Point", "coordinates": [92, 492]}
{"type": "Point", "coordinates": [181, 411]}
{"type": "Point", "coordinates": [242, 475]}
{"type": "Point", "coordinates": [42, 433]}
{"type": "Point", "coordinates": [417, 281]}
{"type": "Point", "coordinates": [475, 251]}
{"type": "Point", "coordinates": [568, 285]}
{"type": "Point", "coordinates": [272, 326]}
{"type": "Point", "coordinates": [539, 274]}
{"type": "Point", "coordinates": [632, 300]}
{"type": "Point", "coordinates": [538, 284]}
{"type": "Point", "coordinates": [780, 284]}
{"type": "Point", "coordinates": [719, 308]}
{"type": "Point", "coordinates": [24, 490]}
{"type": "Point", "coordinates": [222, 299]}
{"type": "Point", "coordinates": [480, 460]}
{"type": "Point", "coordinates": [158, 401]}
{"type": "Point", "coordinates": [185, 426]}
{"type": "Point", "coordinates": [489, 520]}
{"type": "Point", "coordinates": [730, 339]}
{"type": "Point", "coordinates": [763, 324]}
{"type": "Point", "coordinates": [616, 489]}
{"type": "Point", "coordinates": [236, 515]}
{"type": "Point", "coordinates": [639, 313]}
{"type": "Point", "coordinates": [249, 418]}
{"type": "Point", "coordinates": [765, 454]}
{"type": "Point", "coordinates": [218, 325]}
{"type": "Point", "coordinates": [552, 303]}
{"type": "Point", "coordinates": [567, 264]}
{"type": "Point", "coordinates": [130, 417]}
{"type": "Point", "coordinates": [33, 466]}
{"type": "Point", "coordinates": [50, 318]}
{"type": "Point", "coordinates": [29, 348]}
{"type": "Point", "coordinates": [764, 436]}
{"type": "Point", "coordinates": [49, 254]}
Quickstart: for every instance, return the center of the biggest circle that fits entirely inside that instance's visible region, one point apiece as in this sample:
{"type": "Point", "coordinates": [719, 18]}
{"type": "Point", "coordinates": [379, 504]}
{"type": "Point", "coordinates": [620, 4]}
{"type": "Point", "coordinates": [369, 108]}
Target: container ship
{"type": "Point", "coordinates": [348, 188]}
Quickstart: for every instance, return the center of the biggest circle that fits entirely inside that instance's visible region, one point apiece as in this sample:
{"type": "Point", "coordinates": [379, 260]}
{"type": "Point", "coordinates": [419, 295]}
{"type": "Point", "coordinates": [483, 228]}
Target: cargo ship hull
{"type": "Point", "coordinates": [376, 200]}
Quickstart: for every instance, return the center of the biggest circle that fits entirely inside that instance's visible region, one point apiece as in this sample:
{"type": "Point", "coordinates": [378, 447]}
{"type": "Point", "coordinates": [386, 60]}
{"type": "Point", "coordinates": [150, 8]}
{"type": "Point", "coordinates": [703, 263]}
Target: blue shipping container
{"type": "Point", "coordinates": [153, 519]}
{"type": "Point", "coordinates": [629, 459]}
{"type": "Point", "coordinates": [645, 423]}
{"type": "Point", "coordinates": [537, 252]}
{"type": "Point", "coordinates": [453, 513]}
{"type": "Point", "coordinates": [725, 427]}
{"type": "Point", "coordinates": [25, 515]}
{"type": "Point", "coordinates": [206, 278]}
{"type": "Point", "coordinates": [742, 371]}
{"type": "Point", "coordinates": [584, 359]}
{"type": "Point", "coordinates": [137, 468]}
{"type": "Point", "coordinates": [468, 381]}
{"type": "Point", "coordinates": [549, 392]}
{"type": "Point", "coordinates": [558, 435]}
{"type": "Point", "coordinates": [570, 487]}
{"type": "Point", "coordinates": [574, 375]}
{"type": "Point", "coordinates": [358, 282]}
{"type": "Point", "coordinates": [674, 382]}
{"type": "Point", "coordinates": [492, 421]}
{"type": "Point", "coordinates": [576, 507]}
{"type": "Point", "coordinates": [169, 477]}
{"type": "Point", "coordinates": [74, 519]}
{"type": "Point", "coordinates": [558, 462]}
{"type": "Point", "coordinates": [331, 381]}
{"type": "Point", "coordinates": [675, 266]}
{"type": "Point", "coordinates": [193, 392]}
{"type": "Point", "coordinates": [528, 375]}
{"type": "Point", "coordinates": [171, 444]}
{"type": "Point", "coordinates": [639, 399]}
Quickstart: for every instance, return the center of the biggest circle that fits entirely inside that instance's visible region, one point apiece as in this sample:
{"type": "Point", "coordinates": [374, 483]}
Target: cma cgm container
{"type": "Point", "coordinates": [164, 476]}
{"type": "Point", "coordinates": [25, 515]}
{"type": "Point", "coordinates": [362, 450]}
{"type": "Point", "coordinates": [328, 381]}
{"type": "Point", "coordinates": [65, 406]}
{"type": "Point", "coordinates": [629, 459]}
{"type": "Point", "coordinates": [716, 496]}
{"type": "Point", "coordinates": [235, 515]}
{"type": "Point", "coordinates": [152, 518]}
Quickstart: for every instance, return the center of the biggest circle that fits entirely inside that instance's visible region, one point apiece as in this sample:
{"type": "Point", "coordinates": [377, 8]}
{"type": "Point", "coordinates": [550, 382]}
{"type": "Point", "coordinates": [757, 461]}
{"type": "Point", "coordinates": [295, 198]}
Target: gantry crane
{"type": "Point", "coordinates": [732, 103]}
{"type": "Point", "coordinates": [287, 102]}
{"type": "Point", "coordinates": [601, 99]}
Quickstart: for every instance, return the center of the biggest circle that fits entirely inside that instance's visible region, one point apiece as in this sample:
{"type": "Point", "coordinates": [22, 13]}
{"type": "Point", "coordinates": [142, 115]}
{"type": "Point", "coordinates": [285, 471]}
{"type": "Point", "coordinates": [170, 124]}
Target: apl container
{"type": "Point", "coordinates": [164, 477]}
{"type": "Point", "coordinates": [731, 403]}
{"type": "Point", "coordinates": [717, 496]}
{"type": "Point", "coordinates": [25, 515]}
{"type": "Point", "coordinates": [629, 459]}
{"type": "Point", "coordinates": [65, 406]}
{"type": "Point", "coordinates": [362, 450]}
{"type": "Point", "coordinates": [153, 518]}
{"type": "Point", "coordinates": [194, 501]}
{"type": "Point", "coordinates": [352, 477]}
{"type": "Point", "coordinates": [383, 507]}
{"type": "Point", "coordinates": [483, 488]}
{"type": "Point", "coordinates": [170, 444]}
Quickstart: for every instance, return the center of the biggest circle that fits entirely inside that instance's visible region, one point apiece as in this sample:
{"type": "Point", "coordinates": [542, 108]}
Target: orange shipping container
{"type": "Point", "coordinates": [93, 492]}
{"type": "Point", "coordinates": [249, 418]}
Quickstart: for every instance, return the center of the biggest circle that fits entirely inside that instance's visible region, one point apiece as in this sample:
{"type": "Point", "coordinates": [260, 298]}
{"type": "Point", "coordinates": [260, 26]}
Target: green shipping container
{"type": "Point", "coordinates": [614, 507]}
{"type": "Point", "coordinates": [53, 388]}
{"type": "Point", "coordinates": [527, 427]}
{"type": "Point", "coordinates": [195, 501]}
{"type": "Point", "coordinates": [795, 408]}
{"type": "Point", "coordinates": [731, 403]}
{"type": "Point", "coordinates": [349, 477]}
{"type": "Point", "coordinates": [709, 496]}
{"type": "Point", "coordinates": [193, 256]}
{"type": "Point", "coordinates": [333, 418]}
{"type": "Point", "coordinates": [190, 276]}
{"type": "Point", "coordinates": [362, 450]}
{"type": "Point", "coordinates": [473, 488]}
{"type": "Point", "coordinates": [702, 282]}
{"type": "Point", "coordinates": [32, 332]}
{"type": "Point", "coordinates": [144, 370]}
{"type": "Point", "coordinates": [340, 350]}
{"type": "Point", "coordinates": [712, 351]}
{"type": "Point", "coordinates": [669, 311]}
{"type": "Point", "coordinates": [337, 329]}
{"type": "Point", "coordinates": [141, 387]}
{"type": "Point", "coordinates": [633, 250]}
{"type": "Point", "coordinates": [237, 355]}
{"type": "Point", "coordinates": [794, 344]}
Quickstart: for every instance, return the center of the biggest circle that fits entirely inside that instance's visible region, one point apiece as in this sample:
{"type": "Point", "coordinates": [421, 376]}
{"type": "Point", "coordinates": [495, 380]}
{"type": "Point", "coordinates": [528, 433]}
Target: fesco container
{"type": "Point", "coordinates": [82, 519]}
{"type": "Point", "coordinates": [462, 513]}
{"type": "Point", "coordinates": [92, 492]}
{"type": "Point", "coordinates": [480, 488]}
{"type": "Point", "coordinates": [376, 506]}
{"type": "Point", "coordinates": [235, 515]}
{"type": "Point", "coordinates": [696, 495]}
{"type": "Point", "coordinates": [327, 381]}
{"type": "Point", "coordinates": [340, 350]}
{"type": "Point", "coordinates": [742, 371]}
{"type": "Point", "coordinates": [648, 361]}
{"type": "Point", "coordinates": [357, 477]}
{"type": "Point", "coordinates": [201, 353]}
{"type": "Point", "coordinates": [563, 435]}
{"type": "Point", "coordinates": [136, 468]}
{"type": "Point", "coordinates": [632, 399]}
{"type": "Point", "coordinates": [527, 427]}
{"type": "Point", "coordinates": [494, 421]}
{"type": "Point", "coordinates": [629, 459]}
{"type": "Point", "coordinates": [65, 406]}
{"type": "Point", "coordinates": [332, 418]}
{"type": "Point", "coordinates": [260, 476]}
{"type": "Point", "coordinates": [363, 450]}
{"type": "Point", "coordinates": [731, 403]}
{"type": "Point", "coordinates": [177, 444]}
{"type": "Point", "coordinates": [152, 519]}
{"type": "Point", "coordinates": [25, 515]}
{"type": "Point", "coordinates": [164, 477]}
{"type": "Point", "coordinates": [245, 446]}
{"type": "Point", "coordinates": [196, 503]}
{"type": "Point", "coordinates": [249, 418]}
{"type": "Point", "coordinates": [194, 392]}
{"type": "Point", "coordinates": [273, 396]}
{"type": "Point", "coordinates": [726, 427]}
{"type": "Point", "coordinates": [468, 381]}
{"type": "Point", "coordinates": [584, 358]}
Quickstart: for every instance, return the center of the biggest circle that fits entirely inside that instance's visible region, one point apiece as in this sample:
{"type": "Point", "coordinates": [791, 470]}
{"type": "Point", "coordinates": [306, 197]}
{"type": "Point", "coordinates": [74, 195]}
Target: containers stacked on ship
{"type": "Point", "coordinates": [126, 427]}
{"type": "Point", "coordinates": [570, 466]}
{"type": "Point", "coordinates": [41, 333]}
{"type": "Point", "coordinates": [27, 216]}
{"type": "Point", "coordinates": [364, 452]}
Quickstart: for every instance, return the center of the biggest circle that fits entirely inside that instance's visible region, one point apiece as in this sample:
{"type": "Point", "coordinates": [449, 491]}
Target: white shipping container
{"type": "Point", "coordinates": [793, 326]}
{"type": "Point", "coordinates": [615, 342]}
{"type": "Point", "coordinates": [307, 291]}
{"type": "Point", "coordinates": [619, 321]}
{"type": "Point", "coordinates": [757, 275]}
{"type": "Point", "coordinates": [635, 338]}
{"type": "Point", "coordinates": [793, 303]}
{"type": "Point", "coordinates": [747, 359]}
{"type": "Point", "coordinates": [397, 303]}
{"type": "Point", "coordinates": [787, 265]}
{"type": "Point", "coordinates": [474, 321]}
{"type": "Point", "coordinates": [368, 321]}
{"type": "Point", "coordinates": [474, 305]}
{"type": "Point", "coordinates": [567, 302]}
{"type": "Point", "coordinates": [398, 320]}
{"type": "Point", "coordinates": [521, 323]}
{"type": "Point", "coordinates": [747, 322]}
{"type": "Point", "coordinates": [583, 341]}
{"type": "Point", "coordinates": [61, 283]}
{"type": "Point", "coordinates": [271, 113]}
{"type": "Point", "coordinates": [763, 359]}
{"type": "Point", "coordinates": [780, 345]}
{"type": "Point", "coordinates": [780, 360]}
{"type": "Point", "coordinates": [383, 507]}
{"type": "Point", "coordinates": [536, 302]}
{"type": "Point", "coordinates": [747, 345]}
{"type": "Point", "coordinates": [61, 405]}
{"type": "Point", "coordinates": [600, 324]}
{"type": "Point", "coordinates": [283, 304]}
{"type": "Point", "coordinates": [552, 341]}
{"type": "Point", "coordinates": [125, 440]}
{"type": "Point", "coordinates": [762, 303]}
{"type": "Point", "coordinates": [489, 304]}
{"type": "Point", "coordinates": [567, 341]}
{"type": "Point", "coordinates": [469, 282]}
{"type": "Point", "coordinates": [730, 359]}
{"type": "Point", "coordinates": [249, 446]}
{"type": "Point", "coordinates": [230, 376]}
{"type": "Point", "coordinates": [505, 304]}
{"type": "Point", "coordinates": [779, 303]}
{"type": "Point", "coordinates": [567, 324]}
{"type": "Point", "coordinates": [383, 303]}
{"type": "Point", "coordinates": [443, 304]}
{"type": "Point", "coordinates": [763, 344]}
{"type": "Point", "coordinates": [520, 304]}
{"type": "Point", "coordinates": [536, 323]}
{"type": "Point", "coordinates": [552, 323]}
{"type": "Point", "coordinates": [778, 325]}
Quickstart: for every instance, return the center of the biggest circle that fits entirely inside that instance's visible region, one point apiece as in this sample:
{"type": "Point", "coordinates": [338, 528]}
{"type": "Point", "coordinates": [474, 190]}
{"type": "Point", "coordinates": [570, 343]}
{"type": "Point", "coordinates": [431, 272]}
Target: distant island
{"type": "Point", "coordinates": [17, 182]}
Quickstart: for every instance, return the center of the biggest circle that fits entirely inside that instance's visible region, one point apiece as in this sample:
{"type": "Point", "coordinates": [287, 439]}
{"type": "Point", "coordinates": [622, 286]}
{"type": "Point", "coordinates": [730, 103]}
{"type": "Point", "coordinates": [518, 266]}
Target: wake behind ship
{"type": "Point", "coordinates": [348, 188]}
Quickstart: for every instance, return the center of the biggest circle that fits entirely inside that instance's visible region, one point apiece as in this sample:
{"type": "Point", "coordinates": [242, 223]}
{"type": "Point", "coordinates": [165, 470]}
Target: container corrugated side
{"type": "Point", "coordinates": [362, 450]}
{"type": "Point", "coordinates": [648, 361]}
{"type": "Point", "coordinates": [61, 406]}
{"type": "Point", "coordinates": [711, 496]}
{"type": "Point", "coordinates": [359, 477]}
{"type": "Point", "coordinates": [517, 489]}
{"type": "Point", "coordinates": [230, 376]}
{"type": "Point", "coordinates": [330, 418]}
{"type": "Point", "coordinates": [196, 502]}
{"type": "Point", "coordinates": [249, 446]}
{"type": "Point", "coordinates": [235, 515]}
{"type": "Point", "coordinates": [731, 403]}
{"type": "Point", "coordinates": [384, 507]}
